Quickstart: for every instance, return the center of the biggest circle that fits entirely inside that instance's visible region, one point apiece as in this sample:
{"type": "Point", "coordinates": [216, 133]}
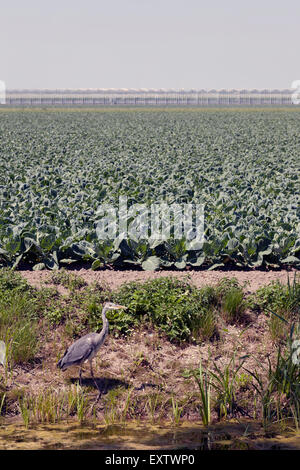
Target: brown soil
{"type": "Point", "coordinates": [114, 278]}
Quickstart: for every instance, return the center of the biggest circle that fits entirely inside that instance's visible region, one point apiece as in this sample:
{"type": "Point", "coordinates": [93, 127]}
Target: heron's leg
{"type": "Point", "coordinates": [92, 373]}
{"type": "Point", "coordinates": [95, 382]}
{"type": "Point", "coordinates": [80, 373]}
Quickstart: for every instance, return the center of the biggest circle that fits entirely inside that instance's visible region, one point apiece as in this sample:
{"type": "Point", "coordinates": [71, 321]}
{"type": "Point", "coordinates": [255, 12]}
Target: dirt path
{"type": "Point", "coordinates": [114, 279]}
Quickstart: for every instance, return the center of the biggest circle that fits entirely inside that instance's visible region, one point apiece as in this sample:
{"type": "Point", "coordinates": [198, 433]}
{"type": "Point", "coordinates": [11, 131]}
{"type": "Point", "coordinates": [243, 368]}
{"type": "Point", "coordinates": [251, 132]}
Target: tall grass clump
{"type": "Point", "coordinates": [281, 298]}
{"type": "Point", "coordinates": [2, 400]}
{"type": "Point", "coordinates": [233, 306]}
{"type": "Point", "coordinates": [224, 381]}
{"type": "Point", "coordinates": [52, 406]}
{"type": "Point", "coordinates": [231, 301]}
{"type": "Point", "coordinates": [281, 303]}
{"type": "Point", "coordinates": [18, 325]}
{"type": "Point", "coordinates": [203, 381]}
{"type": "Point", "coordinates": [278, 386]}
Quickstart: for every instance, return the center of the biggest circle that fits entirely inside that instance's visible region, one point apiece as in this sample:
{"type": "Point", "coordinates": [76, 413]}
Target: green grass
{"type": "Point", "coordinates": [53, 406]}
{"type": "Point", "coordinates": [18, 319]}
{"type": "Point", "coordinates": [233, 305]}
{"type": "Point", "coordinates": [279, 297]}
{"type": "Point", "coordinates": [224, 381]}
{"type": "Point", "coordinates": [176, 410]}
{"type": "Point", "coordinates": [177, 309]}
{"type": "Point", "coordinates": [204, 384]}
{"type": "Point", "coordinates": [278, 387]}
{"type": "Point", "coordinates": [281, 303]}
{"type": "Point", "coordinates": [2, 401]}
{"type": "Point", "coordinates": [174, 307]}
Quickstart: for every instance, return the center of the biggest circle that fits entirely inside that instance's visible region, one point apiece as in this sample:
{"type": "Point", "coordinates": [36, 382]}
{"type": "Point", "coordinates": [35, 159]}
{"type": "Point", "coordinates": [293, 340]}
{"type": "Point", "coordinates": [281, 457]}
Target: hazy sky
{"type": "Point", "coordinates": [149, 44]}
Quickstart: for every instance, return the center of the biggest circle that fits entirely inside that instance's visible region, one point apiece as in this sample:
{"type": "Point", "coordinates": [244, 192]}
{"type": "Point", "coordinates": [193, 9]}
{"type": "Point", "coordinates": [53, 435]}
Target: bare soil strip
{"type": "Point", "coordinates": [115, 279]}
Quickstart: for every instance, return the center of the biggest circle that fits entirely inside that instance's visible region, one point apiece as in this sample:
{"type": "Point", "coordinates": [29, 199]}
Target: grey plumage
{"type": "Point", "coordinates": [86, 347]}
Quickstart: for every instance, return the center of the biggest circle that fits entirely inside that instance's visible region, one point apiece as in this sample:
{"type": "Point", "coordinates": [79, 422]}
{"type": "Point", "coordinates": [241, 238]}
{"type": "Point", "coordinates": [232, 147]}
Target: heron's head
{"type": "Point", "coordinates": [112, 306]}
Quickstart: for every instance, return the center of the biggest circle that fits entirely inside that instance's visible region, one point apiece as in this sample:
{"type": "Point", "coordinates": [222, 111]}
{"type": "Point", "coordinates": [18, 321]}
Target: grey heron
{"type": "Point", "coordinates": [85, 348]}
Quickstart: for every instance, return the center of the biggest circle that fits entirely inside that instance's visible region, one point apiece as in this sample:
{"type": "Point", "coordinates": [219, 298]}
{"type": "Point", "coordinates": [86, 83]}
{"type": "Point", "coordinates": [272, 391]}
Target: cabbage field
{"type": "Point", "coordinates": [58, 166]}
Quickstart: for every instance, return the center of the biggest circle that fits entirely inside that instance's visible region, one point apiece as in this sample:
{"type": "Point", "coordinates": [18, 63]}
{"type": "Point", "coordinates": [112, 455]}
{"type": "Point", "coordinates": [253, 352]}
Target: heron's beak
{"type": "Point", "coordinates": [120, 306]}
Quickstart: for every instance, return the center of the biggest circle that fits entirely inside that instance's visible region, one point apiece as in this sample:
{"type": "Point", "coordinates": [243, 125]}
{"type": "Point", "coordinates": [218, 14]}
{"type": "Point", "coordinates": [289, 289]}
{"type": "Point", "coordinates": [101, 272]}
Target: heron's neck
{"type": "Point", "coordinates": [104, 321]}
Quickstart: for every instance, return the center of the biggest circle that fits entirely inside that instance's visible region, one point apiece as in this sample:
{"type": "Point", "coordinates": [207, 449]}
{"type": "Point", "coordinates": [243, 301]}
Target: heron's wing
{"type": "Point", "coordinates": [77, 353]}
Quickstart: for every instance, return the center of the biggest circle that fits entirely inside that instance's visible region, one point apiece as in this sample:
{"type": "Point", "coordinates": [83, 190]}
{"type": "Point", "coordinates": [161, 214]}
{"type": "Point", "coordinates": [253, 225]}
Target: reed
{"type": "Point", "coordinates": [203, 381]}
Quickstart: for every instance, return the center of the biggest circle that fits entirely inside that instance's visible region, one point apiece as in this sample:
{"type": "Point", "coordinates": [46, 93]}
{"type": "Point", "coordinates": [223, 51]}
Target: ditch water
{"type": "Point", "coordinates": [142, 436]}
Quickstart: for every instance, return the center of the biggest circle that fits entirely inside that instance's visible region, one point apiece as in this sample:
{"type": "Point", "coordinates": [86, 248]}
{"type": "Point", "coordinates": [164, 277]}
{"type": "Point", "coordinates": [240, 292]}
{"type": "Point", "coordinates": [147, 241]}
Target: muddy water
{"type": "Point", "coordinates": [145, 437]}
